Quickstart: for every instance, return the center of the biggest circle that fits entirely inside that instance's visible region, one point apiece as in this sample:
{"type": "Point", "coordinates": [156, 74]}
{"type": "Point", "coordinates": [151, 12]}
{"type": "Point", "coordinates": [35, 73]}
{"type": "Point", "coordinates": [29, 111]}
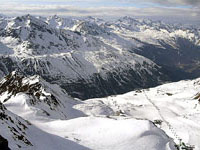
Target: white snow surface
{"type": "Point", "coordinates": [89, 46]}
{"type": "Point", "coordinates": [100, 130]}
{"type": "Point", "coordinates": [174, 104]}
{"type": "Point", "coordinates": [53, 101]}
{"type": "Point", "coordinates": [79, 49]}
{"type": "Point", "coordinates": [23, 135]}
{"type": "Point", "coordinates": [95, 133]}
{"type": "Point", "coordinates": [51, 45]}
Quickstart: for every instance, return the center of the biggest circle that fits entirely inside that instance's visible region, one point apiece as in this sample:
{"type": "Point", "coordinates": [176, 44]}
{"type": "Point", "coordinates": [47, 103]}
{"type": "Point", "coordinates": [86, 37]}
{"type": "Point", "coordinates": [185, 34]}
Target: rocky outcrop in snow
{"type": "Point", "coordinates": [37, 131]}
{"type": "Point", "coordinates": [87, 61]}
{"type": "Point", "coordinates": [14, 129]}
{"type": "Point", "coordinates": [94, 58]}
{"type": "Point", "coordinates": [4, 143]}
{"type": "Point", "coordinates": [37, 96]}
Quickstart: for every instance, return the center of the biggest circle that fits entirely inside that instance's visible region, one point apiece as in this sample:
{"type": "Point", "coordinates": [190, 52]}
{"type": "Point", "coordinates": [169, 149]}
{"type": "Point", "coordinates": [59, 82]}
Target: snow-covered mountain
{"type": "Point", "coordinates": [93, 58]}
{"type": "Point", "coordinates": [87, 61]}
{"type": "Point", "coordinates": [57, 60]}
{"type": "Point", "coordinates": [37, 131]}
{"type": "Point", "coordinates": [81, 134]}
{"type": "Point", "coordinates": [37, 97]}
{"type": "Point", "coordinates": [161, 118]}
{"type": "Point", "coordinates": [173, 107]}
{"type": "Point", "coordinates": [174, 47]}
{"type": "Point", "coordinates": [21, 134]}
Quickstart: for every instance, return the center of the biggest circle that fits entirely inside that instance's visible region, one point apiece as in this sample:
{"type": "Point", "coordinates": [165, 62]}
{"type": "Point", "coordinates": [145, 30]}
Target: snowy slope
{"type": "Point", "coordinates": [104, 133]}
{"type": "Point", "coordinates": [174, 47]}
{"type": "Point", "coordinates": [82, 133]}
{"type": "Point", "coordinates": [87, 56]}
{"type": "Point", "coordinates": [21, 134]}
{"type": "Point", "coordinates": [20, 95]}
{"type": "Point", "coordinates": [104, 57]}
{"type": "Point", "coordinates": [61, 23]}
{"type": "Point", "coordinates": [32, 95]}
{"type": "Point", "coordinates": [153, 32]}
{"type": "Point", "coordinates": [174, 107]}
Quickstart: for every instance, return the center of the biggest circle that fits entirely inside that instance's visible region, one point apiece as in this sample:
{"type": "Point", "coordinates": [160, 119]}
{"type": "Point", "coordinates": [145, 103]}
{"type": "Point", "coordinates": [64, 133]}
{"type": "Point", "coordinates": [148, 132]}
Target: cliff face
{"type": "Point", "coordinates": [92, 58]}
{"type": "Point", "coordinates": [88, 61]}
{"type": "Point", "coordinates": [4, 143]}
{"type": "Point", "coordinates": [38, 96]}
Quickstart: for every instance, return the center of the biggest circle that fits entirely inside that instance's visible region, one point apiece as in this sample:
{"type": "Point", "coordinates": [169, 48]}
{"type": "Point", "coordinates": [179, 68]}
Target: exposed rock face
{"type": "Point", "coordinates": [38, 96]}
{"type": "Point", "coordinates": [4, 143]}
{"type": "Point", "coordinates": [178, 64]}
{"type": "Point", "coordinates": [79, 61]}
{"type": "Point", "coordinates": [14, 83]}
{"type": "Point", "coordinates": [93, 58]}
{"type": "Point", "coordinates": [13, 129]}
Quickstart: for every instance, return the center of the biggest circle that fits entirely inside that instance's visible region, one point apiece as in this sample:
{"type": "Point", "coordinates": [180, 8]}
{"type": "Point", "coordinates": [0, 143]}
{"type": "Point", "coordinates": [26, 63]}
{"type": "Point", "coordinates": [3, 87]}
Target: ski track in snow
{"type": "Point", "coordinates": [172, 103]}
{"type": "Point", "coordinates": [55, 121]}
{"type": "Point", "coordinates": [79, 49]}
{"type": "Point", "coordinates": [162, 117]}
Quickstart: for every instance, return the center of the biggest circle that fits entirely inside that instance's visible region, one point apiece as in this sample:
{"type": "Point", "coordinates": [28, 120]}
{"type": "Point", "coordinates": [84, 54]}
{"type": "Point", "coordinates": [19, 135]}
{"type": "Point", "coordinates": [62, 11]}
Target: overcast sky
{"type": "Point", "coordinates": [186, 10]}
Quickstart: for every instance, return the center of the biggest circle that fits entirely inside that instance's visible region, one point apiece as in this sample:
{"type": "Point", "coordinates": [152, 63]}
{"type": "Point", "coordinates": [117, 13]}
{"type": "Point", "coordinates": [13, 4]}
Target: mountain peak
{"type": "Point", "coordinates": [49, 99]}
{"type": "Point", "coordinates": [29, 19]}
{"type": "Point", "coordinates": [128, 18]}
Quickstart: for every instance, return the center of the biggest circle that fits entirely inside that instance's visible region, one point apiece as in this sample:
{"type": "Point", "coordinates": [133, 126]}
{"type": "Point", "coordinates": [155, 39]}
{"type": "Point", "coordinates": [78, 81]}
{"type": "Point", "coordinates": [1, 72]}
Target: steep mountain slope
{"type": "Point", "coordinates": [34, 95]}
{"type": "Point", "coordinates": [173, 107]}
{"type": "Point", "coordinates": [78, 60]}
{"type": "Point", "coordinates": [4, 143]}
{"type": "Point", "coordinates": [21, 134]}
{"type": "Point", "coordinates": [14, 133]}
{"type": "Point", "coordinates": [82, 134]}
{"type": "Point", "coordinates": [174, 47]}
{"type": "Point", "coordinates": [43, 131]}
{"type": "Point", "coordinates": [94, 58]}
{"type": "Point", "coordinates": [88, 58]}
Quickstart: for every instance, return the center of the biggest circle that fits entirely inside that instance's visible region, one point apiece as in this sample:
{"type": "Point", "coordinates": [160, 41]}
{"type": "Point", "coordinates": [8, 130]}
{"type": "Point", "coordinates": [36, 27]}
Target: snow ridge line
{"type": "Point", "coordinates": [162, 117]}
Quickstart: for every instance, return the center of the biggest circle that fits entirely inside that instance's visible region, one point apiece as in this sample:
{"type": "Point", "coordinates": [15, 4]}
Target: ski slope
{"type": "Point", "coordinates": [51, 120]}
{"type": "Point", "coordinates": [174, 107]}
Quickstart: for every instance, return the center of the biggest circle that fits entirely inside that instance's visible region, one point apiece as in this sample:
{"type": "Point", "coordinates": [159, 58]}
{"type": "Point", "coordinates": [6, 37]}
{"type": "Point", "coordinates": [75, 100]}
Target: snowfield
{"type": "Point", "coordinates": [107, 134]}
{"type": "Point", "coordinates": [96, 133]}
{"type": "Point", "coordinates": [154, 118]}
{"type": "Point", "coordinates": [174, 107]}
{"type": "Point", "coordinates": [21, 134]}
{"type": "Point", "coordinates": [36, 130]}
{"type": "Point", "coordinates": [104, 57]}
{"type": "Point", "coordinates": [51, 64]}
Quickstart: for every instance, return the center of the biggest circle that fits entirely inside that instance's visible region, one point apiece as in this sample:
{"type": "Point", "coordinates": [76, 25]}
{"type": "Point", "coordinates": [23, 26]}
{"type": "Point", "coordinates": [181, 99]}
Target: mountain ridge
{"type": "Point", "coordinates": [25, 129]}
{"type": "Point", "coordinates": [95, 58]}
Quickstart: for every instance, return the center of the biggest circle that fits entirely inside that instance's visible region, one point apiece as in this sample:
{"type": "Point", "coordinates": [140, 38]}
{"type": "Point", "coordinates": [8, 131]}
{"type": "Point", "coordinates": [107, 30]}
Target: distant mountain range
{"type": "Point", "coordinates": [95, 58]}
{"type": "Point", "coordinates": [37, 115]}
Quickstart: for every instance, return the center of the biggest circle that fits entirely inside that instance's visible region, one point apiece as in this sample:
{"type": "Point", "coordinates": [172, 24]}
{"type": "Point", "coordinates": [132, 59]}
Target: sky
{"type": "Point", "coordinates": [185, 10]}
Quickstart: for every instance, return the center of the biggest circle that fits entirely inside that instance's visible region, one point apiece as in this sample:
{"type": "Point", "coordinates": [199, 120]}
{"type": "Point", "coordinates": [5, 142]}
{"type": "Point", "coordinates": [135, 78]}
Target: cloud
{"type": "Point", "coordinates": [182, 13]}
{"type": "Point", "coordinates": [192, 3]}
{"type": "Point", "coordinates": [172, 2]}
{"type": "Point", "coordinates": [20, 9]}
{"type": "Point", "coordinates": [178, 2]}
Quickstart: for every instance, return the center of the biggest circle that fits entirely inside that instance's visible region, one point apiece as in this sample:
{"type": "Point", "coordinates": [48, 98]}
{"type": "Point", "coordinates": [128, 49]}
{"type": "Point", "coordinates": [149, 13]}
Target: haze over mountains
{"type": "Point", "coordinates": [50, 65]}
